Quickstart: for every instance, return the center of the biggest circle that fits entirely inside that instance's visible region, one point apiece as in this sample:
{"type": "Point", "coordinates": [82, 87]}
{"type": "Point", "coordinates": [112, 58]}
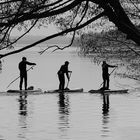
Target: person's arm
{"type": "Point", "coordinates": [29, 63]}
{"type": "Point", "coordinates": [111, 66]}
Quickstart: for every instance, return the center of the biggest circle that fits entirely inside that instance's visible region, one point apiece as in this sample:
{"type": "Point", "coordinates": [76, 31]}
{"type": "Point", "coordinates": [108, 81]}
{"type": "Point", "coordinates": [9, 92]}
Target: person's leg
{"type": "Point", "coordinates": [107, 82]}
{"type": "Point", "coordinates": [104, 82]}
{"type": "Point", "coordinates": [62, 82]}
{"type": "Point", "coordinates": [25, 81]}
{"type": "Point", "coordinates": [59, 77]}
{"type": "Point", "coordinates": [21, 81]}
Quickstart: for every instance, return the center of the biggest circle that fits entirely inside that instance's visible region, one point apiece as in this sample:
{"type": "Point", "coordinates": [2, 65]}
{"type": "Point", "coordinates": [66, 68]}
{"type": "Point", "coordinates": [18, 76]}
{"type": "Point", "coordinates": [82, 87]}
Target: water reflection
{"type": "Point", "coordinates": [63, 113]}
{"type": "Point", "coordinates": [22, 116]}
{"type": "Point", "coordinates": [23, 104]}
{"type": "Point", "coordinates": [105, 117]}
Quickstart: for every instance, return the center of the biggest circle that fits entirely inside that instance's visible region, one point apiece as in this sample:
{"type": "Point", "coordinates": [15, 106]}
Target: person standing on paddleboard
{"type": "Point", "coordinates": [61, 75]}
{"type": "Point", "coordinates": [105, 75]}
{"type": "Point", "coordinates": [23, 72]}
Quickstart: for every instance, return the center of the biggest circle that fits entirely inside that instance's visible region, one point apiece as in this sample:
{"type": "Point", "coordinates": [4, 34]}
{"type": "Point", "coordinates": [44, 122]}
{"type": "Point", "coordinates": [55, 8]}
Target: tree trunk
{"type": "Point", "coordinates": [116, 14]}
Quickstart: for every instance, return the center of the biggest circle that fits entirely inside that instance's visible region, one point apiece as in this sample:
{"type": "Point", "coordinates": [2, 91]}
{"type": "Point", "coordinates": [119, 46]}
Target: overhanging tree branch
{"type": "Point", "coordinates": [55, 35]}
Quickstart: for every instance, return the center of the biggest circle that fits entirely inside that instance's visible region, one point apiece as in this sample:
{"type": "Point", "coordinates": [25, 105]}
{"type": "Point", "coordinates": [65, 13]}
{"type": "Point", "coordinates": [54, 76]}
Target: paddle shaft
{"type": "Point", "coordinates": [109, 75]}
{"type": "Point", "coordinates": [68, 80]}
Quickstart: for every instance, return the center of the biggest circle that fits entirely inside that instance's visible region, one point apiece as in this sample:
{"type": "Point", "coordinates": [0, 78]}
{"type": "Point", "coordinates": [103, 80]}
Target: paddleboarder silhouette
{"type": "Point", "coordinates": [105, 75]}
{"type": "Point", "coordinates": [61, 75]}
{"type": "Point", "coordinates": [23, 72]}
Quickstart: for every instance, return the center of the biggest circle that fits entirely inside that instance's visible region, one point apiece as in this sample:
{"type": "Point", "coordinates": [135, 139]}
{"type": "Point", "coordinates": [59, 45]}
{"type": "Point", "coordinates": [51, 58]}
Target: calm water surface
{"type": "Point", "coordinates": [77, 116]}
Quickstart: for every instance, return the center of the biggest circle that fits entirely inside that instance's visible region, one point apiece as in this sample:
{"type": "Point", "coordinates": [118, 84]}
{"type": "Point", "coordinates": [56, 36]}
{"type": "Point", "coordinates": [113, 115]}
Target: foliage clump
{"type": "Point", "coordinates": [111, 42]}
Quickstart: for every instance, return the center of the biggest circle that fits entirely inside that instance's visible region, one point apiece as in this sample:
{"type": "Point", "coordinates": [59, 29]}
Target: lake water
{"type": "Point", "coordinates": [77, 116]}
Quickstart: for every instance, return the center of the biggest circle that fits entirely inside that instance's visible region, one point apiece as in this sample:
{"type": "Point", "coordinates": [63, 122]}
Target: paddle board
{"type": "Point", "coordinates": [109, 91]}
{"type": "Point", "coordinates": [66, 90]}
{"type": "Point", "coordinates": [24, 91]}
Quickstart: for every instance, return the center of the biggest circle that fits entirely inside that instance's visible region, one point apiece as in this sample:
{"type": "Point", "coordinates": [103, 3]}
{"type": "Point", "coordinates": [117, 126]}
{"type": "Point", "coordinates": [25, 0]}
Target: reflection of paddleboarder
{"type": "Point", "coordinates": [105, 115]}
{"type": "Point", "coordinates": [105, 107]}
{"type": "Point", "coordinates": [61, 75]}
{"type": "Point", "coordinates": [23, 72]}
{"type": "Point", "coordinates": [105, 74]}
{"type": "Point", "coordinates": [23, 104]}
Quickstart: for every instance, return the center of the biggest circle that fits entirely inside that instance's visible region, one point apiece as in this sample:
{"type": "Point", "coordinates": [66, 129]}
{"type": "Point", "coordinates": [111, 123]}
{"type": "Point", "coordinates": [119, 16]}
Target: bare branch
{"type": "Point", "coordinates": [58, 48]}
